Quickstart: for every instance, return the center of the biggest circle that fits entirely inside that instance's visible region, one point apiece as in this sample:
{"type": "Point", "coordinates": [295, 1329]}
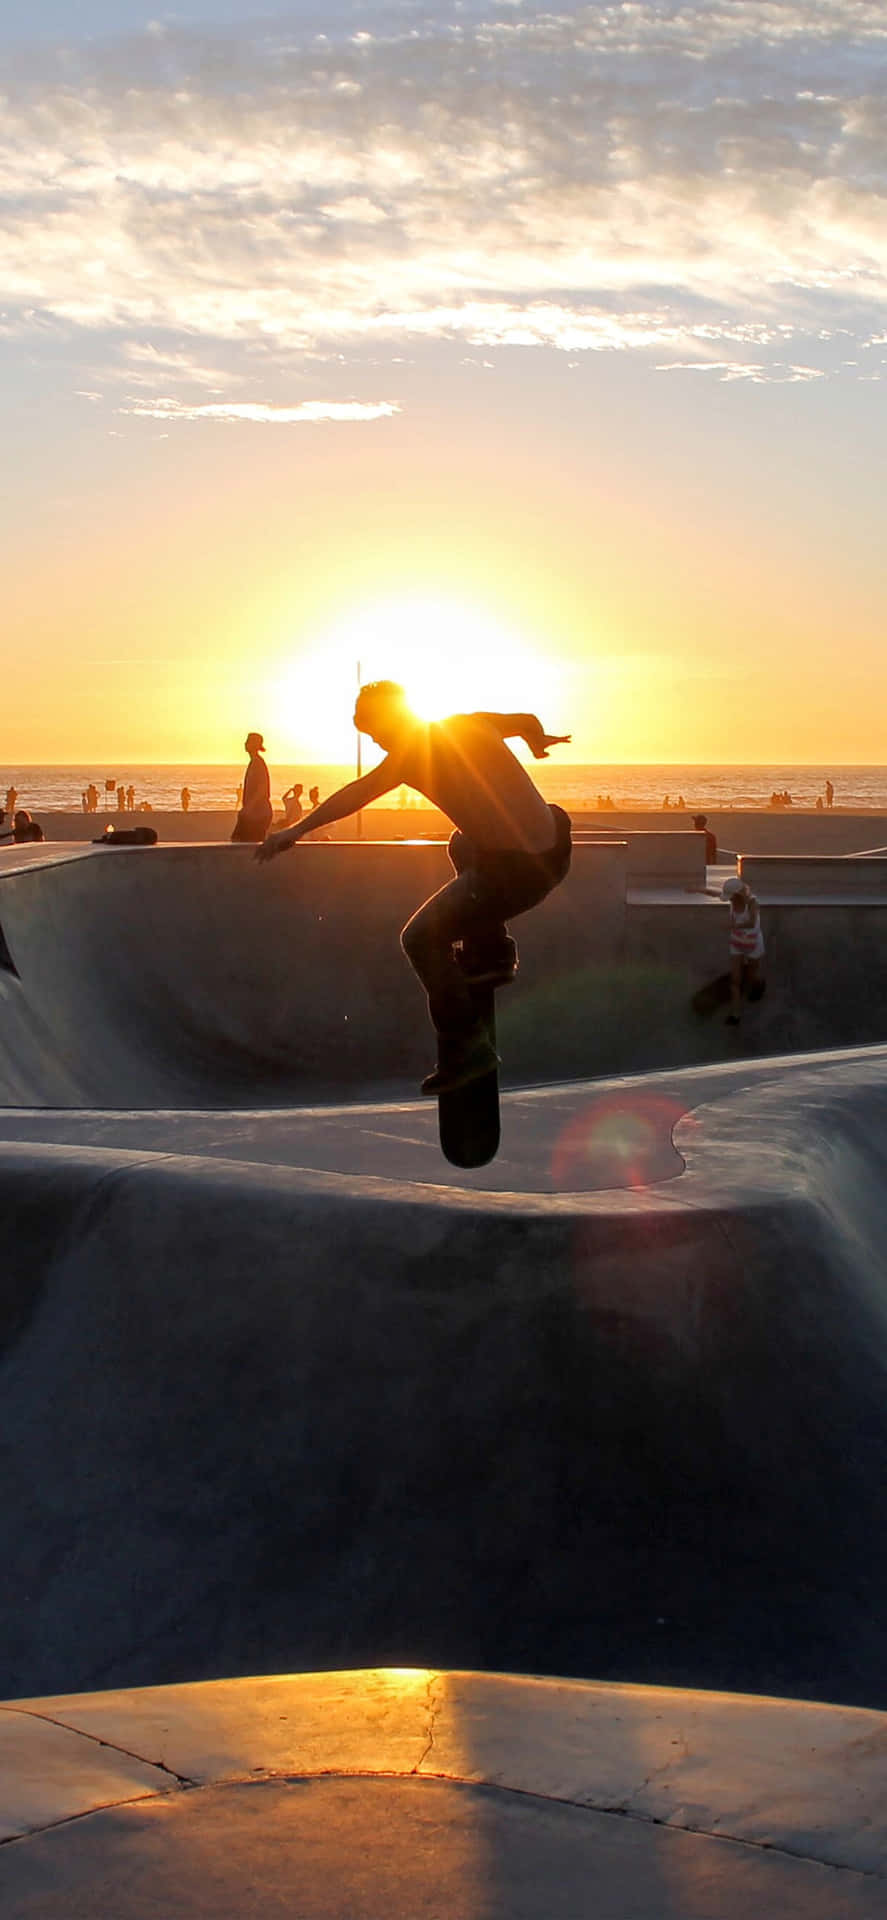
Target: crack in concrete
{"type": "Point", "coordinates": [655, 1773]}
{"type": "Point", "coordinates": [85, 1813]}
{"type": "Point", "coordinates": [432, 1709]}
{"type": "Point", "coordinates": [278, 1776]}
{"type": "Point", "coordinates": [668, 1825]}
{"type": "Point", "coordinates": [47, 1719]}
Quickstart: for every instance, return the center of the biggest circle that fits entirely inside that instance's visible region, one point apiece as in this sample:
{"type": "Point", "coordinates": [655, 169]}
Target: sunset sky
{"type": "Point", "coordinates": [536, 356]}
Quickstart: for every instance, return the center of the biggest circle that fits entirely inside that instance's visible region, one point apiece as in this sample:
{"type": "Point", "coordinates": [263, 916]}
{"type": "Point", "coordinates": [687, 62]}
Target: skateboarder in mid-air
{"type": "Point", "coordinates": [509, 850]}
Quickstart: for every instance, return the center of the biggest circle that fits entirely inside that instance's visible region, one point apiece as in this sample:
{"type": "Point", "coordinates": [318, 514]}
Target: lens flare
{"type": "Point", "coordinates": [621, 1140]}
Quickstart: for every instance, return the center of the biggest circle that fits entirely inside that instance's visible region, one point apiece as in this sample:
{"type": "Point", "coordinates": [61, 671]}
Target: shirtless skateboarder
{"type": "Point", "coordinates": [510, 849]}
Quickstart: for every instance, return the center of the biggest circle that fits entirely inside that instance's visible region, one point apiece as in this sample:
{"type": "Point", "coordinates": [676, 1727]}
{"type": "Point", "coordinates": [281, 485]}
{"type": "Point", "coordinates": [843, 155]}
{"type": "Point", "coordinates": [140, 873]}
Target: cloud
{"type": "Point", "coordinates": [744, 370]}
{"type": "Point", "coordinates": [593, 179]}
{"type": "Point", "coordinates": [308, 412]}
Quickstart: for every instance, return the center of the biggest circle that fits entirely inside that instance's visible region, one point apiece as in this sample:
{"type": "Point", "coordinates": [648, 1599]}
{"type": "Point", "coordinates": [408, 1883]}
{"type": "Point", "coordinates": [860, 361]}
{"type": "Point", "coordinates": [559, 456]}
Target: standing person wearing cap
{"type": "Point", "coordinates": [746, 946]}
{"type": "Point", "coordinates": [254, 818]}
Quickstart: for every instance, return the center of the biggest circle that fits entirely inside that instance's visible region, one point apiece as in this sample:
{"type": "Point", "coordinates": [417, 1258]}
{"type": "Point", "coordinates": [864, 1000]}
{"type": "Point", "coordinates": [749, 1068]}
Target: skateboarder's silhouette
{"type": "Point", "coordinates": [510, 849]}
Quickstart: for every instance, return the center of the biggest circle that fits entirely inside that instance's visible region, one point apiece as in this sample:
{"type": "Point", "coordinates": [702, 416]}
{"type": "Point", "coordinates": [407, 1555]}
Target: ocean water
{"type": "Point", "coordinates": [714, 787]}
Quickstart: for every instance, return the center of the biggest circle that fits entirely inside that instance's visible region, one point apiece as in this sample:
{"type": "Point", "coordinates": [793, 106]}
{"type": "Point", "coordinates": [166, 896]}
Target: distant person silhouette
{"type": "Point", "coordinates": [509, 850]}
{"type": "Point", "coordinates": [256, 811]}
{"type": "Point", "coordinates": [121, 799]}
{"type": "Point", "coordinates": [292, 804]}
{"type": "Point", "coordinates": [92, 795]}
{"type": "Point", "coordinates": [829, 794]}
{"type": "Point", "coordinates": [11, 798]}
{"type": "Point", "coordinates": [84, 802]}
{"type": "Point", "coordinates": [314, 797]}
{"type": "Point", "coordinates": [185, 797]}
{"type": "Point", "coordinates": [130, 799]}
{"type": "Point", "coordinates": [700, 822]}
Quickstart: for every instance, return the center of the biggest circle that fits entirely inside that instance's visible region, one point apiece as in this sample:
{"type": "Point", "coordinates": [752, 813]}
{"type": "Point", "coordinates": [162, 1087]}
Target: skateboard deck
{"type": "Point", "coordinates": [468, 1117]}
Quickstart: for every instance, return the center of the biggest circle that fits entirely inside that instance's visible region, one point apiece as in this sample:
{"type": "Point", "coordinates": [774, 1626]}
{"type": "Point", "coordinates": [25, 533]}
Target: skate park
{"type": "Point", "coordinates": [535, 1508]}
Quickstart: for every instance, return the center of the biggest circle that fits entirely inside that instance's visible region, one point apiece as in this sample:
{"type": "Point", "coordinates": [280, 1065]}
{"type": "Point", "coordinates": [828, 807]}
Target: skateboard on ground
{"type": "Point", "coordinates": [468, 1116]}
{"type": "Point", "coordinates": [717, 993]}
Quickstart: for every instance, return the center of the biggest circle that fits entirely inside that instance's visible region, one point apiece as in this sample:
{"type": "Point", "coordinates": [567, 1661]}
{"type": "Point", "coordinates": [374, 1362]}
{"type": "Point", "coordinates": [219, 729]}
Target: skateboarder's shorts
{"type": "Point", "coordinates": [508, 883]}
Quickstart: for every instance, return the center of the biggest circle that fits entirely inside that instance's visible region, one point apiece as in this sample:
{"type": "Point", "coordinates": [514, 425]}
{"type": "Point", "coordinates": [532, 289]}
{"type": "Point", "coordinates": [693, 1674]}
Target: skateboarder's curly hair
{"type": "Point", "coordinates": [378, 693]}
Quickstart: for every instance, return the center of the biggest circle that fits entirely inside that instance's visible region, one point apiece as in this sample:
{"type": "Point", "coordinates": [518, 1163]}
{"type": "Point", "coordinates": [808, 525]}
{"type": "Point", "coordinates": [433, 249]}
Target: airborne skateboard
{"type": "Point", "coordinates": [468, 1116]}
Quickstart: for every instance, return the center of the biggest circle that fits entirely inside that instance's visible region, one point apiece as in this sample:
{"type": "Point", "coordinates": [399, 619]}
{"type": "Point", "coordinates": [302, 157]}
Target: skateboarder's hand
{"type": "Point", "coordinates": [551, 740]}
{"type": "Point", "coordinates": [275, 843]}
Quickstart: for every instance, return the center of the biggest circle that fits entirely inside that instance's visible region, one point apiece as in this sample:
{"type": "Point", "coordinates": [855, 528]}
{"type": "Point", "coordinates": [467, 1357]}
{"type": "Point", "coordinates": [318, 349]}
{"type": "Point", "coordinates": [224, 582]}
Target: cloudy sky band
{"type": "Point", "coordinates": [496, 178]}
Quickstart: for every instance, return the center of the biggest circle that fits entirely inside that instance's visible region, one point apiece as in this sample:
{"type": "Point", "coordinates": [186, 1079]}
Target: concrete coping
{"type": "Point", "coordinates": [805, 1779]}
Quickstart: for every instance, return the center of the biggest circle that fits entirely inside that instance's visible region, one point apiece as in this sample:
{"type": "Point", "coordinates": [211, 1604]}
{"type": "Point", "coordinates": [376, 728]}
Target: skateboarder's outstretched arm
{"type": "Point", "coordinates": [349, 799]}
{"type": "Point", "coordinates": [525, 726]}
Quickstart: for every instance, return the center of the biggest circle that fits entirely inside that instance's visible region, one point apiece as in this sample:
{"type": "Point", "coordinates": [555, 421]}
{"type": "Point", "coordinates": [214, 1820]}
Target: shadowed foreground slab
{"type": "Point", "coordinates": [398, 1795]}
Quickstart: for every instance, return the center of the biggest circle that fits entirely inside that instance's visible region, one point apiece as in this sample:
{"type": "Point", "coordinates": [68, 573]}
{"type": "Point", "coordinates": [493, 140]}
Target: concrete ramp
{"type": "Point", "coordinates": [189, 976]}
{"type": "Point", "coordinates": [257, 1418]}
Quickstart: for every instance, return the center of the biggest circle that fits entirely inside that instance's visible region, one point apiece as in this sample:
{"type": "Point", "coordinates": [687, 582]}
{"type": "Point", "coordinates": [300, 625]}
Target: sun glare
{"type": "Point", "coordinates": [450, 657]}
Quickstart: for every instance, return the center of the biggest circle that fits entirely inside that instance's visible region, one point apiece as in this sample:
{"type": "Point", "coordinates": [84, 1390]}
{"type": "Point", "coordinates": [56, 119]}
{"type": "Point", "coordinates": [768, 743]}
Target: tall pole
{"type": "Point", "coordinates": [359, 762]}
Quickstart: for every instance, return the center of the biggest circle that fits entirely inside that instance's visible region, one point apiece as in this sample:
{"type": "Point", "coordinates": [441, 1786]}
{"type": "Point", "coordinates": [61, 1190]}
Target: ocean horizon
{"type": "Point", "coordinates": [213, 786]}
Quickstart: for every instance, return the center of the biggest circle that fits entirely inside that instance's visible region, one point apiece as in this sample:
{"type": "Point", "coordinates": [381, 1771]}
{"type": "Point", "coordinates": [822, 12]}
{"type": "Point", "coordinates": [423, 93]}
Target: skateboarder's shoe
{"type": "Point", "coordinates": [488, 962]}
{"type": "Point", "coordinates": [478, 1060]}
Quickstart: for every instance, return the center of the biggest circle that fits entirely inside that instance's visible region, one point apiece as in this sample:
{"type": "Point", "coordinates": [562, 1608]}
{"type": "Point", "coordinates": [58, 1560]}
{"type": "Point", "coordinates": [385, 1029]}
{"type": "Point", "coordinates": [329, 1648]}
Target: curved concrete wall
{"type": "Point", "coordinates": [152, 976]}
{"type": "Point", "coordinates": [191, 976]}
{"type": "Point", "coordinates": [254, 1419]}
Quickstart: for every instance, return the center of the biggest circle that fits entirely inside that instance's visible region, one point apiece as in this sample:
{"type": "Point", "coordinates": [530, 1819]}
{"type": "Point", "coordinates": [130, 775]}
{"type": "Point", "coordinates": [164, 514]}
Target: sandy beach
{"type": "Point", "coordinates": [752, 830]}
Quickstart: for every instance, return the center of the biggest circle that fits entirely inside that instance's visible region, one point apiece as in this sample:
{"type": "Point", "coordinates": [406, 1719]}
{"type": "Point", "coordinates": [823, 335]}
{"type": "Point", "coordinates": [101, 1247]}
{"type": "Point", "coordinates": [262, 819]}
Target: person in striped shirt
{"type": "Point", "coordinates": [746, 946]}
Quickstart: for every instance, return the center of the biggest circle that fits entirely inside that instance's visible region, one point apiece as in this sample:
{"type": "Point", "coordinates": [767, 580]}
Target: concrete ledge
{"type": "Point", "coordinates": [812, 877]}
{"type": "Point", "coordinates": [657, 859]}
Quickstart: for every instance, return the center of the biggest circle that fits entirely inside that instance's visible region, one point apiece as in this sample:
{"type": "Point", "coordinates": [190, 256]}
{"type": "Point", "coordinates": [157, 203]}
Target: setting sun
{"type": "Point", "coordinates": [450, 656]}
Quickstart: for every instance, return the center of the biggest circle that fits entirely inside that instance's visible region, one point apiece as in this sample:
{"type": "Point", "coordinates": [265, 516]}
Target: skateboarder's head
{"type": "Point", "coordinates": [382, 711]}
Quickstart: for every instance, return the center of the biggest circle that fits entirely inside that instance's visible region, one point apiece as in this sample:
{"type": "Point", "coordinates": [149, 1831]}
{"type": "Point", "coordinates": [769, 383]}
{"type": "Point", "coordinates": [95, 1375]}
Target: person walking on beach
{"type": "Point", "coordinates": [254, 818]}
{"type": "Point", "coordinates": [509, 850]}
{"type": "Point", "coordinates": [185, 797]}
{"type": "Point", "coordinates": [829, 794]}
{"type": "Point", "coordinates": [746, 946]}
